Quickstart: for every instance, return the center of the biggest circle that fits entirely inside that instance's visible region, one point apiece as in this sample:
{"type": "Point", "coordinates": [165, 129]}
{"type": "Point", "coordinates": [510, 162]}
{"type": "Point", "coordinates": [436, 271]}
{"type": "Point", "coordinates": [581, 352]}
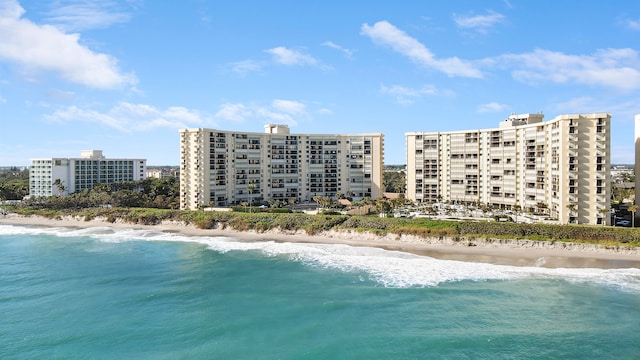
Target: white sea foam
{"type": "Point", "coordinates": [389, 268]}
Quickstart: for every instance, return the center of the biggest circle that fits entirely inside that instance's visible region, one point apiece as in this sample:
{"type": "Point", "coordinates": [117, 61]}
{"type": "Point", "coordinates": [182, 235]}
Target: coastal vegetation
{"type": "Point", "coordinates": [394, 180]}
{"type": "Point", "coordinates": [14, 183]}
{"type": "Point", "coordinates": [152, 201]}
{"type": "Point", "coordinates": [151, 192]}
{"type": "Point", "coordinates": [314, 224]}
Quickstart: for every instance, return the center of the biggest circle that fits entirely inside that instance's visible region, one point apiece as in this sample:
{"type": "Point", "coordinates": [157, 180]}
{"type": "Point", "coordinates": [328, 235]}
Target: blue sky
{"type": "Point", "coordinates": [125, 76]}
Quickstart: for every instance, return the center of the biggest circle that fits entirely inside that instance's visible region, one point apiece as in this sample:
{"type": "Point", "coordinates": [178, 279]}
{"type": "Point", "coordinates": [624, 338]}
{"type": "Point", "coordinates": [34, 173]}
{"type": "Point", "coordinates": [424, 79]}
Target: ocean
{"type": "Point", "coordinates": [104, 293]}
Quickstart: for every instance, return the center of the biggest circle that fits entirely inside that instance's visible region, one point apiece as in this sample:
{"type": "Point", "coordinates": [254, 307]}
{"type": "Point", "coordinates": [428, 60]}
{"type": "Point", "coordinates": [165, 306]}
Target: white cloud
{"type": "Point", "coordinates": [276, 117]}
{"type": "Point", "coordinates": [233, 112]}
{"type": "Point", "coordinates": [280, 55]}
{"type": "Point", "coordinates": [127, 117]}
{"type": "Point", "coordinates": [623, 109]}
{"type": "Point", "coordinates": [479, 23]}
{"type": "Point", "coordinates": [385, 33]}
{"type": "Point", "coordinates": [285, 56]}
{"type": "Point", "coordinates": [348, 53]}
{"type": "Point", "coordinates": [613, 68]}
{"type": "Point", "coordinates": [279, 111]}
{"type": "Point", "coordinates": [289, 106]}
{"type": "Point", "coordinates": [45, 47]}
{"type": "Point", "coordinates": [79, 15]}
{"type": "Point", "coordinates": [633, 24]}
{"type": "Point", "coordinates": [283, 112]}
{"type": "Point", "coordinates": [10, 9]}
{"type": "Point", "coordinates": [60, 95]}
{"type": "Point", "coordinates": [406, 96]}
{"type": "Point", "coordinates": [492, 107]}
{"type": "Point", "coordinates": [584, 103]}
{"type": "Point", "coordinates": [246, 66]}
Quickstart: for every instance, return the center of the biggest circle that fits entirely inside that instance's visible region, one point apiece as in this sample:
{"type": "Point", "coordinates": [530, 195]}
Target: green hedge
{"type": "Point", "coordinates": [575, 233]}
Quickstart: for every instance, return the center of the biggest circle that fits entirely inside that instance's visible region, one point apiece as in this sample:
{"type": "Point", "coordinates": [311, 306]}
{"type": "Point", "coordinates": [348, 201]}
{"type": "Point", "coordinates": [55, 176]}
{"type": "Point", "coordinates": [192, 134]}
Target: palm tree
{"type": "Point", "coordinates": [604, 211]}
{"type": "Point", "coordinates": [350, 195]}
{"type": "Point", "coordinates": [317, 199]}
{"type": "Point", "coordinates": [633, 209]}
{"type": "Point", "coordinates": [383, 206]}
{"type": "Point", "coordinates": [516, 208]}
{"type": "Point", "coordinates": [60, 185]}
{"type": "Point", "coordinates": [572, 208]}
{"type": "Point", "coordinates": [250, 187]}
{"type": "Point", "coordinates": [542, 206]}
{"type": "Point", "coordinates": [367, 200]}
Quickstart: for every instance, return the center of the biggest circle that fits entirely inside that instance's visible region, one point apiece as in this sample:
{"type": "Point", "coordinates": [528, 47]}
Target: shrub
{"type": "Point", "coordinates": [89, 216]}
{"type": "Point", "coordinates": [279, 210]}
{"type": "Point", "coordinates": [291, 222]}
{"type": "Point", "coordinates": [319, 223]}
{"type": "Point", "coordinates": [368, 223]}
{"type": "Point", "coordinates": [262, 226]}
{"type": "Point", "coordinates": [204, 222]}
{"type": "Point", "coordinates": [312, 224]}
{"type": "Point", "coordinates": [239, 224]}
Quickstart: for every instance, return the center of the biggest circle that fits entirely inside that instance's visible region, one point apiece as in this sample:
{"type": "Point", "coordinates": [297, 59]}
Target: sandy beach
{"type": "Point", "coordinates": [499, 252]}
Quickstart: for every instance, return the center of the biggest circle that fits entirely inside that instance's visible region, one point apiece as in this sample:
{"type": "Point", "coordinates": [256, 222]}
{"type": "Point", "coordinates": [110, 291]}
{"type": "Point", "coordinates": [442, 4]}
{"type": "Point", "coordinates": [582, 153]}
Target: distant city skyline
{"type": "Point", "coordinates": [124, 76]}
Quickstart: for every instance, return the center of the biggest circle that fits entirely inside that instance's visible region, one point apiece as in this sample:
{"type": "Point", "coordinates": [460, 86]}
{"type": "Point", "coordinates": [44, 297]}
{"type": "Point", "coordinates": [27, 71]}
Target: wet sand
{"type": "Point", "coordinates": [515, 252]}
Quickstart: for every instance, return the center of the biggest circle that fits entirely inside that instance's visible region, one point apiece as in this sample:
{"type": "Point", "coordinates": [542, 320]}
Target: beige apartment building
{"type": "Point", "coordinates": [636, 167]}
{"type": "Point", "coordinates": [222, 168]}
{"type": "Point", "coordinates": [558, 167]}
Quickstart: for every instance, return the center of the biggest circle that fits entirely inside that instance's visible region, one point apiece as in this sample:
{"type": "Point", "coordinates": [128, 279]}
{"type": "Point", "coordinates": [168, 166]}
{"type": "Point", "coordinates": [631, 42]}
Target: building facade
{"type": "Point", "coordinates": [63, 176]}
{"type": "Point", "coordinates": [636, 167]}
{"type": "Point", "coordinates": [222, 168]}
{"type": "Point", "coordinates": [559, 167]}
{"type": "Point", "coordinates": [162, 172]}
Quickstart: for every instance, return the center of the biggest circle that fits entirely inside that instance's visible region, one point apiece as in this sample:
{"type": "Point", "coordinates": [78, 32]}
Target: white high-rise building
{"type": "Point", "coordinates": [63, 176]}
{"type": "Point", "coordinates": [221, 168]}
{"type": "Point", "coordinates": [559, 167]}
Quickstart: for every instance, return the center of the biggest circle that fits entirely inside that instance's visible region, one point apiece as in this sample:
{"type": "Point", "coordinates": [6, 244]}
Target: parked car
{"type": "Point", "coordinates": [623, 223]}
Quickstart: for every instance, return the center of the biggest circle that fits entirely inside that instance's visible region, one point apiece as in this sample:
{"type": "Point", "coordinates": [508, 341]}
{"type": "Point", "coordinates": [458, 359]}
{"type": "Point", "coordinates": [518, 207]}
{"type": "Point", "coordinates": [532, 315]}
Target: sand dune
{"type": "Point", "coordinates": [503, 252]}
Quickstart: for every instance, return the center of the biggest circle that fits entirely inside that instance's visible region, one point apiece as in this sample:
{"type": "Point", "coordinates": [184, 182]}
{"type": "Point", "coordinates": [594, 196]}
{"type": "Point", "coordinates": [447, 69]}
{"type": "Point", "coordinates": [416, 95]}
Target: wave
{"type": "Point", "coordinates": [389, 268]}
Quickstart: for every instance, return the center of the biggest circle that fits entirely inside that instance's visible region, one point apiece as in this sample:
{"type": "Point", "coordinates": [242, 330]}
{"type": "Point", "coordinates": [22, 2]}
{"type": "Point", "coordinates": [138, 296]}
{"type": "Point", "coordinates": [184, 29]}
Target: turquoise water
{"type": "Point", "coordinates": [102, 293]}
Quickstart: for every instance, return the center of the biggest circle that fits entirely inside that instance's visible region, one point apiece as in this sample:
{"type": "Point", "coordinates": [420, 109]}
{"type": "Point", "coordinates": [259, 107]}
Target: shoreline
{"type": "Point", "coordinates": [498, 252]}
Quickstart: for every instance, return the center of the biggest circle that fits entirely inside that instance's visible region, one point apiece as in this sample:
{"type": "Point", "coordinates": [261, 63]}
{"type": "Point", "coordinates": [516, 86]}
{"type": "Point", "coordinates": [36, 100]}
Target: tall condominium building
{"type": "Point", "coordinates": [559, 167]}
{"type": "Point", "coordinates": [637, 161]}
{"type": "Point", "coordinates": [63, 176]}
{"type": "Point", "coordinates": [221, 168]}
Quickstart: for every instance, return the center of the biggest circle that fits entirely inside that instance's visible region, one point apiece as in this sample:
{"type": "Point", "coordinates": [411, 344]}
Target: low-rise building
{"type": "Point", "coordinates": [160, 172]}
{"type": "Point", "coordinates": [63, 176]}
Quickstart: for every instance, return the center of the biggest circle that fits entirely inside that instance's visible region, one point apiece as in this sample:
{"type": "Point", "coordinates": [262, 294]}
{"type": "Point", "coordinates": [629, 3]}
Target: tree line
{"type": "Point", "coordinates": [150, 192]}
{"type": "Point", "coordinates": [14, 183]}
